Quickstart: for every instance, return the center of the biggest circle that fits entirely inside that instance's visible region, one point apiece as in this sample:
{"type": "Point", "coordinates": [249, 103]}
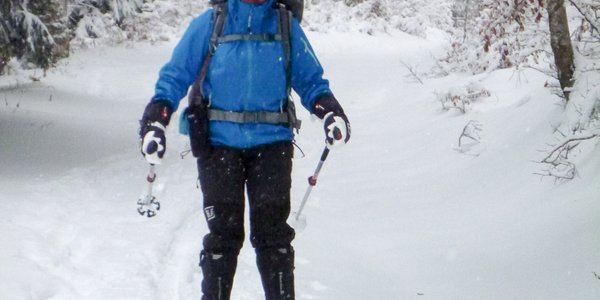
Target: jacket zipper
{"type": "Point", "coordinates": [281, 291]}
{"type": "Point", "coordinates": [220, 295]}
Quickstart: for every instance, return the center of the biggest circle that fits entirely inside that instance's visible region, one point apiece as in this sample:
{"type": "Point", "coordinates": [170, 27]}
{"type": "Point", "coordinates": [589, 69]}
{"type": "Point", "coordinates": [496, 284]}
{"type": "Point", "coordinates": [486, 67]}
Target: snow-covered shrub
{"type": "Point", "coordinates": [104, 21]}
{"type": "Point", "coordinates": [372, 16]}
{"type": "Point", "coordinates": [495, 34]}
{"type": "Point", "coordinates": [585, 27]}
{"type": "Point", "coordinates": [120, 10]}
{"type": "Point", "coordinates": [461, 98]}
{"type": "Point", "coordinates": [93, 20]}
{"type": "Point", "coordinates": [416, 17]}
{"type": "Point", "coordinates": [586, 24]}
{"type": "Point", "coordinates": [367, 16]}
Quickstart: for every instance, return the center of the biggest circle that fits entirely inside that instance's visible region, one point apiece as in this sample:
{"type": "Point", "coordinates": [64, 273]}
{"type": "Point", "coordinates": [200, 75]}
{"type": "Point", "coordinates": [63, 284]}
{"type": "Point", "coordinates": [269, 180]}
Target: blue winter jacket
{"type": "Point", "coordinates": [243, 76]}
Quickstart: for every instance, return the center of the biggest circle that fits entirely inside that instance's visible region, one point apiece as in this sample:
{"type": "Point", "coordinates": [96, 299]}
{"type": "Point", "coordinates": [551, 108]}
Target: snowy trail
{"type": "Point", "coordinates": [398, 213]}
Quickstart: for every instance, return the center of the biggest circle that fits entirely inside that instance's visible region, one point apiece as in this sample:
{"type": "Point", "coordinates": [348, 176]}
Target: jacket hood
{"type": "Point", "coordinates": [250, 18]}
{"type": "Point", "coordinates": [238, 3]}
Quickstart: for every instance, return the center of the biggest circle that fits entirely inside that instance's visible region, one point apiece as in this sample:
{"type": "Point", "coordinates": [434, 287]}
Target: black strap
{"type": "Point", "coordinates": [284, 31]}
{"type": "Point", "coordinates": [219, 18]}
{"type": "Point", "coordinates": [265, 117]}
{"type": "Point", "coordinates": [249, 38]}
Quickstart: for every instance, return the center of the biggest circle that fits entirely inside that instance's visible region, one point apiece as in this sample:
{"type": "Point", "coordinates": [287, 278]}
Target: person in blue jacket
{"type": "Point", "coordinates": [245, 80]}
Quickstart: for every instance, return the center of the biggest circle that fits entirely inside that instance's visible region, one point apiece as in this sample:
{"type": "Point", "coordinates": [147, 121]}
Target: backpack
{"type": "Point", "coordinates": [198, 113]}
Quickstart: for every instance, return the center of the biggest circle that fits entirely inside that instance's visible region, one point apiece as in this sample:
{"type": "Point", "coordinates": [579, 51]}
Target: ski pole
{"type": "Point", "coordinates": [147, 204]}
{"type": "Point", "coordinates": [312, 181]}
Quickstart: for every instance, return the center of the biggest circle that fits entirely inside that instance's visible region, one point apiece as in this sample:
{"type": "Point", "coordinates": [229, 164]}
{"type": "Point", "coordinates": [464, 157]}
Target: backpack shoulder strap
{"type": "Point", "coordinates": [219, 19]}
{"type": "Point", "coordinates": [285, 28]}
{"type": "Point", "coordinates": [285, 25]}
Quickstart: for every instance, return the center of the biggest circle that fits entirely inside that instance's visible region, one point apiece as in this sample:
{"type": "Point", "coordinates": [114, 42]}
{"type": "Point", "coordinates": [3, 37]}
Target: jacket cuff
{"type": "Point", "coordinates": [158, 111]}
{"type": "Point", "coordinates": [326, 104]}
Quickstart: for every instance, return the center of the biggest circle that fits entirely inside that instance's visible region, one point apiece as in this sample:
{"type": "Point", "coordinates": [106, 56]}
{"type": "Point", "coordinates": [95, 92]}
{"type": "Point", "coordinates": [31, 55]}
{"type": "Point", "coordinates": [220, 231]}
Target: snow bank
{"type": "Point", "coordinates": [399, 213]}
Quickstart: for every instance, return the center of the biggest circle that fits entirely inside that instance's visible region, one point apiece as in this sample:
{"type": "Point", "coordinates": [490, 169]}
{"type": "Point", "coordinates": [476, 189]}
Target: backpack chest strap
{"type": "Point", "coordinates": [249, 38]}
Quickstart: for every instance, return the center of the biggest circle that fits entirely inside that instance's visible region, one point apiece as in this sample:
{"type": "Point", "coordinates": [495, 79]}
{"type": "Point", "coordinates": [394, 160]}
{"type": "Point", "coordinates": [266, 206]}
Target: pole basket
{"type": "Point", "coordinates": [148, 206]}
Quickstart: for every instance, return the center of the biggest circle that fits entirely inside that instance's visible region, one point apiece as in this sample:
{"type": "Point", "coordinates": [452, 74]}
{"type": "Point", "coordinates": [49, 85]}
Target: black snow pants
{"type": "Point", "coordinates": [265, 174]}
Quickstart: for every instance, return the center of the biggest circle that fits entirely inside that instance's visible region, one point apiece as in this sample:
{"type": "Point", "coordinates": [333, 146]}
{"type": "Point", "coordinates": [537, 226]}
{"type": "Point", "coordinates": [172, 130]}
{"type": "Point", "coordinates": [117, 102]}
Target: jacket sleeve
{"type": "Point", "coordinates": [307, 73]}
{"type": "Point", "coordinates": [181, 71]}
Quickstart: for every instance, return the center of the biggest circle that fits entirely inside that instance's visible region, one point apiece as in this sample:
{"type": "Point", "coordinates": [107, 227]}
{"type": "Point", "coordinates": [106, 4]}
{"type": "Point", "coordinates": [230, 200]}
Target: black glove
{"type": "Point", "coordinates": [336, 124]}
{"type": "Point", "coordinates": [152, 131]}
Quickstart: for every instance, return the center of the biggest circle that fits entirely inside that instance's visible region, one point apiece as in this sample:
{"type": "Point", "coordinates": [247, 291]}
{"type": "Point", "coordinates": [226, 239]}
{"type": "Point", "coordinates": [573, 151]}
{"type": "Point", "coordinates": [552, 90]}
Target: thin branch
{"type": "Point", "coordinates": [470, 131]}
{"type": "Point", "coordinates": [559, 166]}
{"type": "Point", "coordinates": [412, 71]}
{"type": "Point", "coordinates": [589, 70]}
{"type": "Point", "coordinates": [584, 16]}
{"type": "Point", "coordinates": [564, 146]}
{"type": "Point", "coordinates": [549, 73]}
{"type": "Point", "coordinates": [569, 175]}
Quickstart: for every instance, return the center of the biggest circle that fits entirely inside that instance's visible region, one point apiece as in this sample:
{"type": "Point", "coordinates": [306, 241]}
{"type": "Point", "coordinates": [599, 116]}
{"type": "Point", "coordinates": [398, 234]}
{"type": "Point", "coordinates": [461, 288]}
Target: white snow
{"type": "Point", "coordinates": [398, 213]}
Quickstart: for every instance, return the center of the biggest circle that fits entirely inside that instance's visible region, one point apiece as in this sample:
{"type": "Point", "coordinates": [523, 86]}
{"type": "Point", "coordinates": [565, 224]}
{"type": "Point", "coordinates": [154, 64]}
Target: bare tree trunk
{"type": "Point", "coordinates": [560, 41]}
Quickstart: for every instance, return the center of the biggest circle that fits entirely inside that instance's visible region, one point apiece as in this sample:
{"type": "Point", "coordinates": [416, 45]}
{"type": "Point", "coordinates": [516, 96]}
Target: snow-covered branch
{"type": "Point", "coordinates": [585, 15]}
{"type": "Point", "coordinates": [559, 159]}
{"type": "Point", "coordinates": [493, 34]}
{"type": "Point", "coordinates": [562, 151]}
{"type": "Point", "coordinates": [34, 29]}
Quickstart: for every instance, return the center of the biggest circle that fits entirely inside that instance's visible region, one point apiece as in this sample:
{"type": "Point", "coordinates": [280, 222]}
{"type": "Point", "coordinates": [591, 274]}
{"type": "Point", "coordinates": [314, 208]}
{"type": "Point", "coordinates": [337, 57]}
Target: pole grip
{"type": "Point", "coordinates": [324, 154]}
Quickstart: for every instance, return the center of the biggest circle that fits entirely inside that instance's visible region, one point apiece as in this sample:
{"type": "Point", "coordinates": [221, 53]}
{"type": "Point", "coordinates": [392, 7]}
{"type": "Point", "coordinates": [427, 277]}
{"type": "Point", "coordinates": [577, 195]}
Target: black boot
{"type": "Point", "coordinates": [276, 267]}
{"type": "Point", "coordinates": [217, 271]}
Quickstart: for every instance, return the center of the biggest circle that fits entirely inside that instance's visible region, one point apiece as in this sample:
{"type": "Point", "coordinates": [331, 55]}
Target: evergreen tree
{"type": "Point", "coordinates": [25, 34]}
{"type": "Point", "coordinates": [53, 14]}
{"type": "Point", "coordinates": [39, 32]}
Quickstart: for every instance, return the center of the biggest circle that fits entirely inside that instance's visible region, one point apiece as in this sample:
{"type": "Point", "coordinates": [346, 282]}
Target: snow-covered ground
{"type": "Point", "coordinates": [399, 213]}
